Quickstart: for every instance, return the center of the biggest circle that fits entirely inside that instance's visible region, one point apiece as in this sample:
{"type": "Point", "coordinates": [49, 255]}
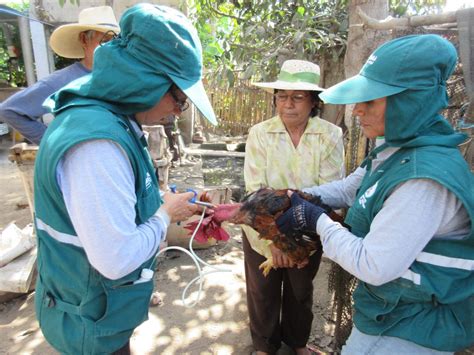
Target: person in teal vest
{"type": "Point", "coordinates": [410, 241]}
{"type": "Point", "coordinates": [100, 216]}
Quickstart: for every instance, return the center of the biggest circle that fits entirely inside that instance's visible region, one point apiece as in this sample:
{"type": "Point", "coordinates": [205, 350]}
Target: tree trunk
{"type": "Point", "coordinates": [333, 73]}
{"type": "Point", "coordinates": [361, 43]}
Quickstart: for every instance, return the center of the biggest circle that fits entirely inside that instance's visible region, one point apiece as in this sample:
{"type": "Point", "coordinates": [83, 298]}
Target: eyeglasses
{"type": "Point", "coordinates": [296, 98]}
{"type": "Point", "coordinates": [182, 104]}
{"type": "Point", "coordinates": [108, 36]}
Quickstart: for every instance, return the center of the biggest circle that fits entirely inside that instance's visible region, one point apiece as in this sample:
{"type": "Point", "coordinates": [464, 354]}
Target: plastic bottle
{"type": "Point", "coordinates": [145, 276]}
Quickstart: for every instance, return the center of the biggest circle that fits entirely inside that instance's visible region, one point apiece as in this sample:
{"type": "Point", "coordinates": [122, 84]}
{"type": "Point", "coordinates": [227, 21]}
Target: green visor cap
{"type": "Point", "coordinates": [412, 62]}
{"type": "Point", "coordinates": [166, 41]}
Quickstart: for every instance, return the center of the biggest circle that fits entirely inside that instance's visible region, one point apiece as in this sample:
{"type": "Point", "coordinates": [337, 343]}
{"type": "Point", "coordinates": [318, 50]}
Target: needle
{"type": "Point", "coordinates": [205, 204]}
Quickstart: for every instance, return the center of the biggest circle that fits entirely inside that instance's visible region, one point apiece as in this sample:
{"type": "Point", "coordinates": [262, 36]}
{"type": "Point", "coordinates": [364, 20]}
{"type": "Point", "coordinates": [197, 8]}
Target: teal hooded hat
{"type": "Point", "coordinates": [411, 72]}
{"type": "Point", "coordinates": [157, 46]}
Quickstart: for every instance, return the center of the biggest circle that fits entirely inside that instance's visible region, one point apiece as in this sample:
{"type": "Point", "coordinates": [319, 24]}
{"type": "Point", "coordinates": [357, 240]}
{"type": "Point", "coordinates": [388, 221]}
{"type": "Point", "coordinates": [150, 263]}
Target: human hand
{"type": "Point", "coordinates": [177, 206]}
{"type": "Point", "coordinates": [203, 199]}
{"type": "Point", "coordinates": [303, 263]}
{"type": "Point", "coordinates": [280, 260]}
{"type": "Point", "coordinates": [302, 217]}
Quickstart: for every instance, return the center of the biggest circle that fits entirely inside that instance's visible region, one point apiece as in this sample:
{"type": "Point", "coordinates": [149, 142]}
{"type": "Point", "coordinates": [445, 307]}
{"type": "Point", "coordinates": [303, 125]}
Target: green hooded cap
{"type": "Point", "coordinates": [411, 72]}
{"type": "Point", "coordinates": [157, 46]}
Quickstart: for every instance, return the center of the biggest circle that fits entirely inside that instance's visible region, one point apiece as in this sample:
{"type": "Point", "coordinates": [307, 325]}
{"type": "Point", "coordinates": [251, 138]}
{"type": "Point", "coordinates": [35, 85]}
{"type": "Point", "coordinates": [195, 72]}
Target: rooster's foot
{"type": "Point", "coordinates": [266, 267]}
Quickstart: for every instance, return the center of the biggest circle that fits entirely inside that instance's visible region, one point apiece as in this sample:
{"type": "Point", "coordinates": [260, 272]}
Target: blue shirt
{"type": "Point", "coordinates": [24, 110]}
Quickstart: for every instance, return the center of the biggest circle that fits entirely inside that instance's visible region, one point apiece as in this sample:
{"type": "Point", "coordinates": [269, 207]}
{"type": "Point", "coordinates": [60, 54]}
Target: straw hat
{"type": "Point", "coordinates": [65, 39]}
{"type": "Point", "coordinates": [295, 75]}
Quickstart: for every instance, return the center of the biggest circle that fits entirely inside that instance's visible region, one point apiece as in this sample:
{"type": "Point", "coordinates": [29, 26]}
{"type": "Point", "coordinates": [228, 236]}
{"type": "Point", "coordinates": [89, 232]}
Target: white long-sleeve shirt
{"type": "Point", "coordinates": [98, 187]}
{"type": "Point", "coordinates": [414, 213]}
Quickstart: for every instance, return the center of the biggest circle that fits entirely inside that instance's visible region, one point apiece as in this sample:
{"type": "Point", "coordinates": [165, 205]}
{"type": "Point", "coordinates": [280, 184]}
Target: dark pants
{"type": "Point", "coordinates": [280, 305]}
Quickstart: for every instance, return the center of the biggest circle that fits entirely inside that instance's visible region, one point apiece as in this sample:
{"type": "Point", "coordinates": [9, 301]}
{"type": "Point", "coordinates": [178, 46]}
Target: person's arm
{"type": "Point", "coordinates": [98, 187]}
{"type": "Point", "coordinates": [417, 211]}
{"type": "Point", "coordinates": [339, 193]}
{"type": "Point", "coordinates": [255, 162]}
{"type": "Point", "coordinates": [23, 111]}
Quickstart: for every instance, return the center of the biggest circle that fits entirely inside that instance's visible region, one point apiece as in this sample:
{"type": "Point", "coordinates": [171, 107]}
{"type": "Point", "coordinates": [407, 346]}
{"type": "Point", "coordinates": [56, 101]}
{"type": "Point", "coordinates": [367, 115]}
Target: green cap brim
{"type": "Point", "coordinates": [196, 93]}
{"type": "Point", "coordinates": [358, 89]}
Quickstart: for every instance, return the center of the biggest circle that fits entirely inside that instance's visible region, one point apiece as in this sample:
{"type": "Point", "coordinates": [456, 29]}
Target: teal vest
{"type": "Point", "coordinates": [79, 310]}
{"type": "Point", "coordinates": [433, 303]}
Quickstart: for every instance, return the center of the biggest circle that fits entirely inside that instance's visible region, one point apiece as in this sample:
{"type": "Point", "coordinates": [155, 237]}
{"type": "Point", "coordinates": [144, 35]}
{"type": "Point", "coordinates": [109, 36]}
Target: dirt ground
{"type": "Point", "coordinates": [218, 324]}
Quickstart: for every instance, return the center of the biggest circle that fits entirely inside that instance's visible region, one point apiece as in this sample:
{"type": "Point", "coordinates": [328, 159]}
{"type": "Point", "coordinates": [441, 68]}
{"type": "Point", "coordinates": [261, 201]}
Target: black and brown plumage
{"type": "Point", "coordinates": [261, 209]}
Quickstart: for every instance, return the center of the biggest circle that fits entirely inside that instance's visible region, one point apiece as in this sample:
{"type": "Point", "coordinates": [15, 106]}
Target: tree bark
{"type": "Point", "coordinates": [333, 73]}
{"type": "Point", "coordinates": [361, 42]}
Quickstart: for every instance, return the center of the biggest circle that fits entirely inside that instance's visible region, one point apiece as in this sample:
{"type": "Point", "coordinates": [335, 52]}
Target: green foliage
{"type": "Point", "coordinates": [73, 2]}
{"type": "Point", "coordinates": [400, 8]}
{"type": "Point", "coordinates": [251, 37]}
{"type": "Point", "coordinates": [254, 37]}
{"type": "Point", "coordinates": [12, 69]}
{"type": "Point", "coordinates": [20, 6]}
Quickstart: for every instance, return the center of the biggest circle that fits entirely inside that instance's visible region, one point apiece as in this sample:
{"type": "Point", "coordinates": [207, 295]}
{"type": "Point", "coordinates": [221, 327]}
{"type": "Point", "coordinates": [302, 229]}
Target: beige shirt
{"type": "Point", "coordinates": [271, 160]}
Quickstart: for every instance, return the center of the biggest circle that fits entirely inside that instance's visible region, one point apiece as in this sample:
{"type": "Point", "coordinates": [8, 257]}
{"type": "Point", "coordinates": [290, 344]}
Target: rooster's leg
{"type": "Point", "coordinates": [266, 267]}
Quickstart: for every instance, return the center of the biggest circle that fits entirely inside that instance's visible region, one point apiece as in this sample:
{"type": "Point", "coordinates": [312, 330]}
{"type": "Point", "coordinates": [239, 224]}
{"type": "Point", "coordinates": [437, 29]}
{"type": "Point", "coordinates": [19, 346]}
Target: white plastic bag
{"type": "Point", "coordinates": [15, 242]}
{"type": "Point", "coordinates": [18, 251]}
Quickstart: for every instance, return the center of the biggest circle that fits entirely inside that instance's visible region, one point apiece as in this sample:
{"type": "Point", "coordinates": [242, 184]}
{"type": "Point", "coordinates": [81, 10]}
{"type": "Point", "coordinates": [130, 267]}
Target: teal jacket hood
{"type": "Point", "coordinates": [157, 46]}
{"type": "Point", "coordinates": [412, 116]}
{"type": "Point", "coordinates": [114, 83]}
{"type": "Point", "coordinates": [412, 120]}
{"type": "Point", "coordinates": [411, 72]}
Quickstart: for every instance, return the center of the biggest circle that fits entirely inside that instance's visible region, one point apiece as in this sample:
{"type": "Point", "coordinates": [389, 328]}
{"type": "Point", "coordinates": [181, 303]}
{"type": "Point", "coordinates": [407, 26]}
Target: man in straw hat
{"type": "Point", "coordinates": [291, 150]}
{"type": "Point", "coordinates": [24, 111]}
{"type": "Point", "coordinates": [411, 237]}
{"type": "Point", "coordinates": [100, 217]}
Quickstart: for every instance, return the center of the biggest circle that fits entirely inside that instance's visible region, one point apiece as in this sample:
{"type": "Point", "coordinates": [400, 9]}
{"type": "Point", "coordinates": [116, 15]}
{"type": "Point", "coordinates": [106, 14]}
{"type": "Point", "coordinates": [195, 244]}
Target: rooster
{"type": "Point", "coordinates": [260, 210]}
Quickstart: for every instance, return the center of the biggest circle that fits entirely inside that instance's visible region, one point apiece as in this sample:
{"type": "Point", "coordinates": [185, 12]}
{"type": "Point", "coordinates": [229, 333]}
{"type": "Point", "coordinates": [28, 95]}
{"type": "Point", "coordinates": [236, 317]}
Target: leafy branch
{"type": "Point", "coordinates": [73, 2]}
{"type": "Point", "coordinates": [255, 37]}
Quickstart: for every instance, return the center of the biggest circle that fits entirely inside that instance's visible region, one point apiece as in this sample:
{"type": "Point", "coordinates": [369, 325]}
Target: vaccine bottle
{"type": "Point", "coordinates": [145, 276]}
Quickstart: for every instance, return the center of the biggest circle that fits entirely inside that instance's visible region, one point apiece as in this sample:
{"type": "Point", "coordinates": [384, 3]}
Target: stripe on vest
{"type": "Point", "coordinates": [412, 276]}
{"type": "Point", "coordinates": [446, 261]}
{"type": "Point", "coordinates": [59, 236]}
